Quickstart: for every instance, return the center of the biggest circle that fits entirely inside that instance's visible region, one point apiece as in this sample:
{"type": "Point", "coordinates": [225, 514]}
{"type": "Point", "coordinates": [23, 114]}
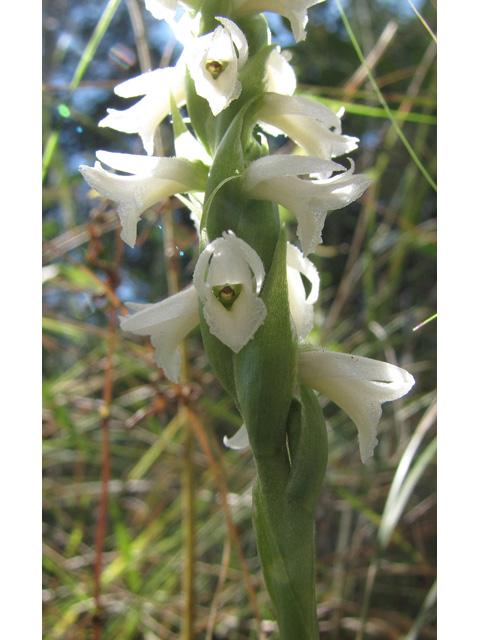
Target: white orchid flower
{"type": "Point", "coordinates": [167, 323]}
{"type": "Point", "coordinates": [277, 178]}
{"type": "Point", "coordinates": [357, 385]}
{"type": "Point", "coordinates": [144, 116]}
{"type": "Point", "coordinates": [280, 76]}
{"type": "Point", "coordinates": [153, 179]}
{"type": "Point", "coordinates": [311, 125]}
{"type": "Point", "coordinates": [301, 305]}
{"type": "Point", "coordinates": [228, 279]}
{"type": "Point", "coordinates": [214, 61]}
{"type": "Point", "coordinates": [294, 10]}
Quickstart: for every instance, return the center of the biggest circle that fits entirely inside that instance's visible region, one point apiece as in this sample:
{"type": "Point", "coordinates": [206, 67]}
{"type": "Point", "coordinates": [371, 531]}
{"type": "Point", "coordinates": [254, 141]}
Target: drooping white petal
{"type": "Point", "coordinates": [276, 178]}
{"type": "Point", "coordinates": [214, 61]}
{"type": "Point", "coordinates": [313, 126]}
{"type": "Point", "coordinates": [301, 305]}
{"type": "Point", "coordinates": [357, 385]}
{"type": "Point", "coordinates": [167, 323]}
{"type": "Point", "coordinates": [294, 10]}
{"type": "Point", "coordinates": [229, 261]}
{"type": "Point", "coordinates": [239, 440]}
{"type": "Point", "coordinates": [280, 76]}
{"type": "Point", "coordinates": [144, 116]}
{"type": "Point", "coordinates": [154, 180]}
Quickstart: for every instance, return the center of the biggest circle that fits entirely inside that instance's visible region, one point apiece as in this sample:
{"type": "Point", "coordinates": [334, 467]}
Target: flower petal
{"type": "Point", "coordinates": [313, 126]}
{"type": "Point", "coordinates": [277, 178]}
{"type": "Point", "coordinates": [144, 116]}
{"type": "Point", "coordinates": [357, 385]}
{"type": "Point", "coordinates": [154, 180]}
{"type": "Point", "coordinates": [162, 9]}
{"type": "Point", "coordinates": [294, 10]}
{"type": "Point", "coordinates": [239, 440]}
{"type": "Point", "coordinates": [301, 306]}
{"type": "Point", "coordinates": [280, 76]}
{"type": "Point", "coordinates": [167, 323]}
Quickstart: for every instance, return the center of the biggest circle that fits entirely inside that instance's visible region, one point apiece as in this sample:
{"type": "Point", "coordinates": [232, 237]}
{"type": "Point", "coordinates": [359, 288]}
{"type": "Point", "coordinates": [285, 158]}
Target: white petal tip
{"type": "Point", "coordinates": [239, 440]}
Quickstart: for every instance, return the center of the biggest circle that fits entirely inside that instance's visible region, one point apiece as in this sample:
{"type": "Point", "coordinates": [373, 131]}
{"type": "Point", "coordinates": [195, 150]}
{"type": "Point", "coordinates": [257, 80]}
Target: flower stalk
{"type": "Point", "coordinates": [252, 291]}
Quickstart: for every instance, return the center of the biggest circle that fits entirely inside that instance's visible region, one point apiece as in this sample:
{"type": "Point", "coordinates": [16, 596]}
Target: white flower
{"type": "Point", "coordinates": [144, 116]}
{"type": "Point", "coordinates": [162, 9]}
{"type": "Point", "coordinates": [153, 179]}
{"type": "Point", "coordinates": [294, 10]}
{"type": "Point", "coordinates": [312, 125]}
{"type": "Point", "coordinates": [228, 278]}
{"type": "Point", "coordinates": [276, 178]}
{"type": "Point", "coordinates": [214, 61]}
{"type": "Point", "coordinates": [301, 305]}
{"type": "Point", "coordinates": [280, 76]}
{"type": "Point", "coordinates": [167, 323]}
{"type": "Point", "coordinates": [357, 385]}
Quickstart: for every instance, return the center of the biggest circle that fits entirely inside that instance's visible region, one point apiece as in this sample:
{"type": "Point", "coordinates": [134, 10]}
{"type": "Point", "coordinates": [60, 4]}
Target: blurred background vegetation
{"type": "Point", "coordinates": [134, 466]}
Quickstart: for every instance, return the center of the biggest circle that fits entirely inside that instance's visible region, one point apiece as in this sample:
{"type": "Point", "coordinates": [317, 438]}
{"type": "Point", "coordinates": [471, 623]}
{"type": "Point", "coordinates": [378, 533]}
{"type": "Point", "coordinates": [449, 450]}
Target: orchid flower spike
{"type": "Point", "coordinates": [153, 179]}
{"type": "Point", "coordinates": [144, 116]}
{"type": "Point", "coordinates": [311, 125]}
{"type": "Point", "coordinates": [167, 323]}
{"type": "Point", "coordinates": [228, 279]}
{"type": "Point", "coordinates": [214, 61]}
{"type": "Point", "coordinates": [277, 178]}
{"type": "Point", "coordinates": [357, 385]}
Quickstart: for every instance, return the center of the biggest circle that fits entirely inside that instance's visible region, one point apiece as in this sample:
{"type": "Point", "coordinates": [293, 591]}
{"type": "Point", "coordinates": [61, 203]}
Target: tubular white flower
{"type": "Point", "coordinates": [357, 385]}
{"type": "Point", "coordinates": [276, 178]}
{"type": "Point", "coordinates": [311, 125]}
{"type": "Point", "coordinates": [294, 10]}
{"type": "Point", "coordinates": [167, 323]}
{"type": "Point", "coordinates": [144, 116]}
{"type": "Point", "coordinates": [301, 305]}
{"type": "Point", "coordinates": [214, 61]}
{"type": "Point", "coordinates": [229, 265]}
{"type": "Point", "coordinates": [153, 179]}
